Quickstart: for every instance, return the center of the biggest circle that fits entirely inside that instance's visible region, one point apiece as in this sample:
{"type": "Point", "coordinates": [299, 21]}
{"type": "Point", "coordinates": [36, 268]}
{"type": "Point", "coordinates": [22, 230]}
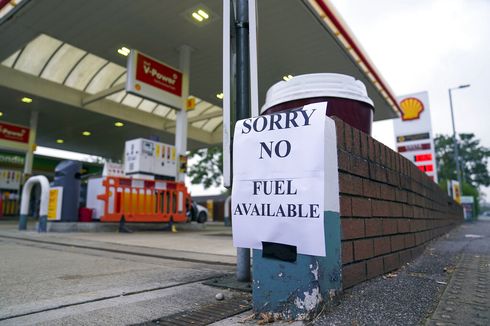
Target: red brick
{"type": "Point", "coordinates": [401, 195]}
{"type": "Point", "coordinates": [374, 227]}
{"type": "Point", "coordinates": [377, 152]}
{"type": "Point", "coordinates": [397, 242]}
{"type": "Point", "coordinates": [374, 267]}
{"type": "Point", "coordinates": [409, 240]}
{"type": "Point", "coordinates": [344, 160]}
{"type": "Point", "coordinates": [348, 138]}
{"type": "Point", "coordinates": [356, 142]}
{"type": "Point", "coordinates": [405, 256]}
{"type": "Point", "coordinates": [353, 274]}
{"type": "Point", "coordinates": [361, 207]}
{"type": "Point", "coordinates": [419, 238]}
{"type": "Point", "coordinates": [345, 206]}
{"type": "Point", "coordinates": [364, 145]}
{"type": "Point", "coordinates": [370, 188]}
{"type": "Point", "coordinates": [393, 160]}
{"type": "Point", "coordinates": [407, 210]}
{"type": "Point", "coordinates": [403, 225]}
{"type": "Point", "coordinates": [350, 184]}
{"type": "Point", "coordinates": [388, 158]}
{"type": "Point", "coordinates": [387, 192]}
{"type": "Point", "coordinates": [347, 252]}
{"type": "Point", "coordinates": [389, 226]}
{"type": "Point", "coordinates": [359, 166]}
{"type": "Point", "coordinates": [339, 125]}
{"type": "Point", "coordinates": [391, 262]}
{"type": "Point", "coordinates": [392, 178]}
{"type": "Point", "coordinates": [352, 228]}
{"type": "Point", "coordinates": [397, 163]}
{"type": "Point", "coordinates": [363, 249]}
{"type": "Point", "coordinates": [380, 208]}
{"type": "Point", "coordinates": [382, 246]}
{"type": "Point", "coordinates": [384, 161]}
{"type": "Point", "coordinates": [380, 174]}
{"type": "Point", "coordinates": [396, 209]}
{"type": "Point", "coordinates": [371, 149]}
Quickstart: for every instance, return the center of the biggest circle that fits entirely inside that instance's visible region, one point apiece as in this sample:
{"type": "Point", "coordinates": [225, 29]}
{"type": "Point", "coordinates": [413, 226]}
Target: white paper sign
{"type": "Point", "coordinates": [279, 179]}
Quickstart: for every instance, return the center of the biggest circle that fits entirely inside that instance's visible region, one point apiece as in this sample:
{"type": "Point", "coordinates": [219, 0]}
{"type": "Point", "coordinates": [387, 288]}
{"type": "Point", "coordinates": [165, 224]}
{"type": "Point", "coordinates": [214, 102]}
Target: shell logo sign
{"type": "Point", "coordinates": [411, 108]}
{"type": "Point", "coordinates": [154, 80]}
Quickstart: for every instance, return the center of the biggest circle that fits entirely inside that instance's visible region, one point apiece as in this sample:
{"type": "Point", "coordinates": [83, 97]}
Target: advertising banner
{"type": "Point", "coordinates": [154, 80]}
{"type": "Point", "coordinates": [14, 133]}
{"type": "Point", "coordinates": [284, 179]}
{"type": "Point", "coordinates": [456, 191]}
{"type": "Point", "coordinates": [413, 133]}
{"type": "Point", "coordinates": [55, 202]}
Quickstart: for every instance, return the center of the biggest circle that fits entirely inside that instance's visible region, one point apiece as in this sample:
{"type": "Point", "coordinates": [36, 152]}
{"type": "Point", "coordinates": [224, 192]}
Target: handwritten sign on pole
{"type": "Point", "coordinates": [284, 179]}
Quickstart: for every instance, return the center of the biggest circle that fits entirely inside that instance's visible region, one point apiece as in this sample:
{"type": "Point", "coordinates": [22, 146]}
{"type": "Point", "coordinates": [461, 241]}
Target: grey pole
{"type": "Point", "coordinates": [242, 105]}
{"type": "Point", "coordinates": [456, 151]}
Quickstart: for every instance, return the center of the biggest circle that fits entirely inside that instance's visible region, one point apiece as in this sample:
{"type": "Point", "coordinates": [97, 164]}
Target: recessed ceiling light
{"type": "Point", "coordinates": [197, 17]}
{"type": "Point", "coordinates": [203, 14]}
{"type": "Point", "coordinates": [1, 114]}
{"type": "Point", "coordinates": [118, 124]}
{"type": "Point", "coordinates": [60, 141]}
{"type": "Point", "coordinates": [26, 100]}
{"type": "Point", "coordinates": [123, 51]}
{"type": "Point", "coordinates": [287, 78]}
{"type": "Point", "coordinates": [200, 15]}
{"type": "Point", "coordinates": [86, 133]}
{"type": "Point", "coordinates": [220, 96]}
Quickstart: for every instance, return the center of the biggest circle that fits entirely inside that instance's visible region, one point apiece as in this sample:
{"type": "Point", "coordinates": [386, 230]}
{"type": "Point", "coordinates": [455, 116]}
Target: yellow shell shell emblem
{"type": "Point", "coordinates": [411, 108]}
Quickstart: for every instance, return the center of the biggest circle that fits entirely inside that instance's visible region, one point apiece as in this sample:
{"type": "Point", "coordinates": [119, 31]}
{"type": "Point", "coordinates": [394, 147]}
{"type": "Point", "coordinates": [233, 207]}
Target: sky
{"type": "Point", "coordinates": [429, 45]}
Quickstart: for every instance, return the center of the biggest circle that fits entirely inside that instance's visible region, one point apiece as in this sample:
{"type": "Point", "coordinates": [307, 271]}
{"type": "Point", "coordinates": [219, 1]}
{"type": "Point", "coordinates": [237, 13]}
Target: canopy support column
{"type": "Point", "coordinates": [181, 119]}
{"type": "Point", "coordinates": [32, 143]}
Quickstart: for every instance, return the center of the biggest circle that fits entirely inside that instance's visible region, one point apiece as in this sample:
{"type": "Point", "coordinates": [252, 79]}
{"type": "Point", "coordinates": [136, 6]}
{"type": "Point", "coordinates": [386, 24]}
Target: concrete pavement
{"type": "Point", "coordinates": [110, 278]}
{"type": "Point", "coordinates": [55, 279]}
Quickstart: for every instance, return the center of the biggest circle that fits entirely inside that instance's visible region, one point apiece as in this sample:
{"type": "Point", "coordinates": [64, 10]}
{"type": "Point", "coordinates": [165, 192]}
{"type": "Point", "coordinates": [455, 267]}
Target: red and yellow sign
{"type": "Point", "coordinates": [191, 103]}
{"type": "Point", "coordinates": [158, 75]}
{"type": "Point", "coordinates": [14, 133]}
{"type": "Point", "coordinates": [456, 191]}
{"type": "Point", "coordinates": [411, 108]}
{"type": "Point", "coordinates": [154, 80]}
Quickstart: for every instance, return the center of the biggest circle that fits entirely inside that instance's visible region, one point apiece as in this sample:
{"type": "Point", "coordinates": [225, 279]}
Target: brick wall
{"type": "Point", "coordinates": [389, 209]}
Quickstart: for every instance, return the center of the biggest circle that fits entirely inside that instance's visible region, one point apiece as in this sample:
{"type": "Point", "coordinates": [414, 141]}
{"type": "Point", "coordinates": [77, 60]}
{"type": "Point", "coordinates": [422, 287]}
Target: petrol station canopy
{"type": "Point", "coordinates": [60, 53]}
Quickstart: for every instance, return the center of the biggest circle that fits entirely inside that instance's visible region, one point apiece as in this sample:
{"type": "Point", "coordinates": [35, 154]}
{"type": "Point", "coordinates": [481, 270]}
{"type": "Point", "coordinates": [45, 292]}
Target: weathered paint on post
{"type": "Point", "coordinates": [299, 290]}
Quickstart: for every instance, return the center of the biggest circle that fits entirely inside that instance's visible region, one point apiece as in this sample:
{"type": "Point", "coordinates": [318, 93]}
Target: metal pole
{"type": "Point", "coordinates": [456, 152]}
{"type": "Point", "coordinates": [242, 106]}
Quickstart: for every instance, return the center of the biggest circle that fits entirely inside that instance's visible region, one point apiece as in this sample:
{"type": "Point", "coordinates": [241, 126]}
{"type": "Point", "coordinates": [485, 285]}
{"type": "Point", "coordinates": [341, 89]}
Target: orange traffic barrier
{"type": "Point", "coordinates": [140, 200]}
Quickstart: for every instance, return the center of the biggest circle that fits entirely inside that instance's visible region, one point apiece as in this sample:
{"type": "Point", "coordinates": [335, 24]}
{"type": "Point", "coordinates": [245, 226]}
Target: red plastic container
{"type": "Point", "coordinates": [347, 97]}
{"type": "Point", "coordinates": [85, 214]}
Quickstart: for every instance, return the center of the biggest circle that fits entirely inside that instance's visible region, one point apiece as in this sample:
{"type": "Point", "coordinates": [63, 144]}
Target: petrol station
{"type": "Point", "coordinates": [140, 83]}
{"type": "Point", "coordinates": [66, 84]}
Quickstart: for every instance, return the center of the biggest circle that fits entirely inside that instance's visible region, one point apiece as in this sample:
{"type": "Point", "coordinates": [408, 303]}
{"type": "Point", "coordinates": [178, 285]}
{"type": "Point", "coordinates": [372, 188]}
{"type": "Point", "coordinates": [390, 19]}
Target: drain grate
{"type": "Point", "coordinates": [207, 314]}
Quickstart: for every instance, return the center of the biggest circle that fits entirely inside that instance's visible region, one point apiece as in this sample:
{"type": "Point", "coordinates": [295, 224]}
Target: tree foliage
{"type": "Point", "coordinates": [208, 169]}
{"type": "Point", "coordinates": [473, 159]}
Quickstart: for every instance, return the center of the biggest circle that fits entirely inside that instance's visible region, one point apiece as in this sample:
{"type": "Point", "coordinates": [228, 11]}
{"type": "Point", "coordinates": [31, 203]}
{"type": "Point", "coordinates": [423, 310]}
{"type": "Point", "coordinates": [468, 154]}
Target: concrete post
{"type": "Point", "coordinates": [181, 116]}
{"type": "Point", "coordinates": [32, 142]}
{"type": "Point", "coordinates": [299, 290]}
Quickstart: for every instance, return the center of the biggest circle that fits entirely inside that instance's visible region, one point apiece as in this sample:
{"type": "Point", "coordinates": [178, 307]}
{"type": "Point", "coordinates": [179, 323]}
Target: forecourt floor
{"type": "Point", "coordinates": [109, 278]}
